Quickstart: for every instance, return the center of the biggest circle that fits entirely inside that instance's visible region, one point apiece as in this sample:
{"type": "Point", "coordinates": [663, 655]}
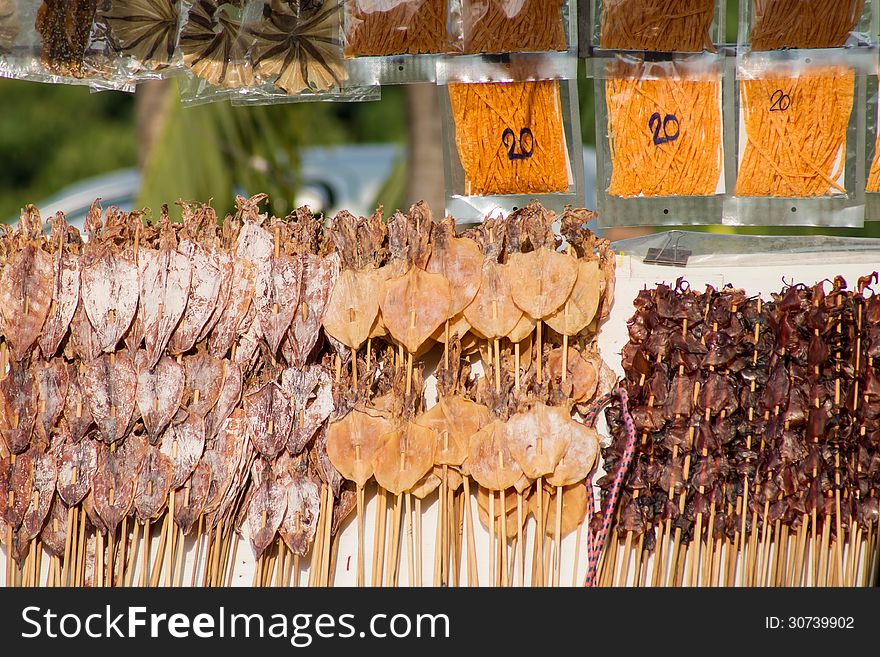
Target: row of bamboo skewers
{"type": "Point", "coordinates": [756, 463]}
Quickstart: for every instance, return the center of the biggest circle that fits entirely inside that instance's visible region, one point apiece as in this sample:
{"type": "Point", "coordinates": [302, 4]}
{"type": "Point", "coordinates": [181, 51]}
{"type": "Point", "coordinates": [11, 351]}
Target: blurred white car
{"type": "Point", "coordinates": [332, 178]}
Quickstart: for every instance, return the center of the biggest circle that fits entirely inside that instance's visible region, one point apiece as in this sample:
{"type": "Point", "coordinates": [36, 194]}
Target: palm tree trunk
{"type": "Point", "coordinates": [150, 102]}
{"type": "Point", "coordinates": [425, 172]}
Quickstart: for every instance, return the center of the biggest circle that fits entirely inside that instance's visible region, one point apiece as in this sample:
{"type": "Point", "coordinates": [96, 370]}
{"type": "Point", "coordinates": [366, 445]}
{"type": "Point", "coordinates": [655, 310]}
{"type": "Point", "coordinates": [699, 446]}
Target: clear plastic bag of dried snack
{"type": "Point", "coordinates": [658, 25]}
{"type": "Point", "coordinates": [295, 47]}
{"type": "Point", "coordinates": [662, 148]}
{"type": "Point", "coordinates": [144, 34]}
{"type": "Point", "coordinates": [511, 134]}
{"type": "Point", "coordinates": [872, 152]}
{"type": "Point", "coordinates": [215, 53]}
{"type": "Point", "coordinates": [501, 26]}
{"type": "Point", "coordinates": [379, 28]}
{"type": "Point", "coordinates": [54, 41]}
{"type": "Point", "coordinates": [801, 147]}
{"type": "Point", "coordinates": [398, 41]}
{"type": "Point", "coordinates": [806, 24]}
{"type": "Point", "coordinates": [276, 51]}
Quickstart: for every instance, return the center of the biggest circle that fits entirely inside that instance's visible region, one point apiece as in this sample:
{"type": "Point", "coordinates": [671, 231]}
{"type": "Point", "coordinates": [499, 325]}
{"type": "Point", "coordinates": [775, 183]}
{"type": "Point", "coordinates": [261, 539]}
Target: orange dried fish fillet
{"type": "Point", "coordinates": [403, 457]}
{"type": "Point", "coordinates": [414, 306]}
{"type": "Point", "coordinates": [492, 313]}
{"type": "Point", "coordinates": [454, 420]}
{"type": "Point", "coordinates": [353, 306]}
{"type": "Point", "coordinates": [352, 442]}
{"type": "Point", "coordinates": [540, 281]}
{"type": "Point", "coordinates": [459, 261]}
{"type": "Point", "coordinates": [582, 304]}
{"type": "Point", "coordinates": [538, 438]}
{"type": "Point", "coordinates": [490, 461]}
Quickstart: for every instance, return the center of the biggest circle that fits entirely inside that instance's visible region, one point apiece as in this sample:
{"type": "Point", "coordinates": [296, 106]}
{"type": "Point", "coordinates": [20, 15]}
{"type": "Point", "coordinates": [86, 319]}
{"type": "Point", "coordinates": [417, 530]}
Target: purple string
{"type": "Point", "coordinates": [597, 543]}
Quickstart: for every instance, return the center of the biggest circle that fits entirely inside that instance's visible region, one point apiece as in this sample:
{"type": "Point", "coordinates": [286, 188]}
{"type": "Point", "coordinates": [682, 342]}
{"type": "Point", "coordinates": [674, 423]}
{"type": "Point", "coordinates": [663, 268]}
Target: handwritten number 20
{"type": "Point", "coordinates": [779, 101]}
{"type": "Point", "coordinates": [526, 144]}
{"type": "Point", "coordinates": [657, 122]}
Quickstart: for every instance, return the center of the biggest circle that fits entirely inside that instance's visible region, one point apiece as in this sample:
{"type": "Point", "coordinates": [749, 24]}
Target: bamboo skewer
{"type": "Point", "coordinates": [473, 577]}
{"type": "Point", "coordinates": [379, 538]}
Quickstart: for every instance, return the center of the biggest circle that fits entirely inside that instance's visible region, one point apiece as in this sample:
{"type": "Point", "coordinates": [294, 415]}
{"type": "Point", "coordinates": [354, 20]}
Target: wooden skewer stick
{"type": "Point", "coordinates": [360, 530]}
{"type": "Point", "coordinates": [234, 539]}
{"type": "Point", "coordinates": [418, 513]}
{"type": "Point", "coordinates": [197, 560]}
{"type": "Point", "coordinates": [99, 558]}
{"type": "Point", "coordinates": [502, 521]}
{"type": "Point", "coordinates": [539, 533]}
{"type": "Point", "coordinates": [379, 537]}
{"type": "Point", "coordinates": [128, 571]}
{"type": "Point", "coordinates": [123, 544]}
{"type": "Point", "coordinates": [410, 552]}
{"type": "Point", "coordinates": [160, 554]}
{"type": "Point", "coordinates": [456, 502]}
{"type": "Point", "coordinates": [328, 541]}
{"type": "Point", "coordinates": [441, 535]}
{"type": "Point", "coordinates": [145, 556]}
{"type": "Point", "coordinates": [473, 575]}
{"type": "Point", "coordinates": [520, 543]}
{"type": "Point", "coordinates": [284, 559]}
{"type": "Point", "coordinates": [180, 548]}
{"type": "Point", "coordinates": [557, 534]}
{"type": "Point", "coordinates": [577, 551]}
{"type": "Point", "coordinates": [80, 563]}
{"type": "Point", "coordinates": [317, 549]}
{"type": "Point", "coordinates": [492, 536]}
{"type": "Point", "coordinates": [68, 542]}
{"type": "Point", "coordinates": [170, 535]}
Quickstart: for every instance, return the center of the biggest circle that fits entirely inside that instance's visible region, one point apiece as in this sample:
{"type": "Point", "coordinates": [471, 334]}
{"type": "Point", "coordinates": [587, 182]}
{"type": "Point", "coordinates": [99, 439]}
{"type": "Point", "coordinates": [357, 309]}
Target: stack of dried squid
{"type": "Point", "coordinates": [757, 457]}
{"type": "Point", "coordinates": [518, 321]}
{"type": "Point", "coordinates": [174, 380]}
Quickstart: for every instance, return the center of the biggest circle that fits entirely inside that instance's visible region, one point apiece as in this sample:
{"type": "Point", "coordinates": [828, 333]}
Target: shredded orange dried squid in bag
{"type": "Point", "coordinates": [513, 26]}
{"type": "Point", "coordinates": [659, 25]}
{"type": "Point", "coordinates": [778, 24]}
{"type": "Point", "coordinates": [510, 137]}
{"type": "Point", "coordinates": [664, 135]}
{"type": "Point", "coordinates": [395, 27]}
{"type": "Point", "coordinates": [795, 133]}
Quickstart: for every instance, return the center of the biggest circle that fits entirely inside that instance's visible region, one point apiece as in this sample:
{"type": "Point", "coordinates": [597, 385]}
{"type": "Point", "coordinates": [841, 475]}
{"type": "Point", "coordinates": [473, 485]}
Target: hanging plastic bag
{"type": "Point", "coordinates": [376, 28]}
{"type": "Point", "coordinates": [806, 24]}
{"type": "Point", "coordinates": [872, 146]}
{"type": "Point", "coordinates": [501, 26]}
{"type": "Point", "coordinates": [215, 51]}
{"type": "Point", "coordinates": [144, 34]}
{"type": "Point", "coordinates": [267, 52]}
{"type": "Point", "coordinates": [658, 25]}
{"type": "Point", "coordinates": [662, 140]}
{"type": "Point", "coordinates": [511, 134]}
{"type": "Point", "coordinates": [397, 41]}
{"type": "Point", "coordinates": [55, 41]}
{"type": "Point", "coordinates": [801, 121]}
